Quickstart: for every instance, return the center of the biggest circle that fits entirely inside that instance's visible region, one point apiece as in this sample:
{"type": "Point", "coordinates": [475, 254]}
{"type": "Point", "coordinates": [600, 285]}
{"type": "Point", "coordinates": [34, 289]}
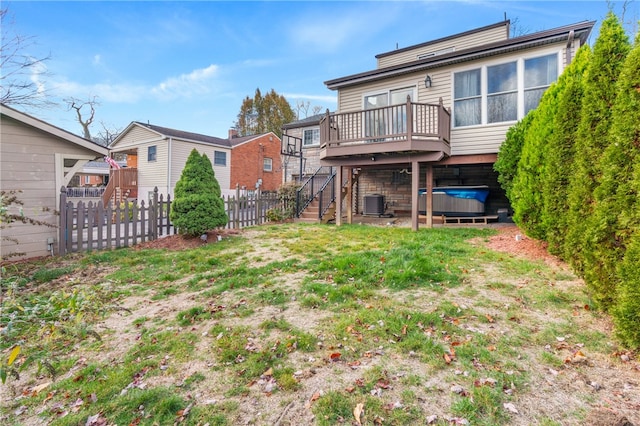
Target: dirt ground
{"type": "Point", "coordinates": [614, 386]}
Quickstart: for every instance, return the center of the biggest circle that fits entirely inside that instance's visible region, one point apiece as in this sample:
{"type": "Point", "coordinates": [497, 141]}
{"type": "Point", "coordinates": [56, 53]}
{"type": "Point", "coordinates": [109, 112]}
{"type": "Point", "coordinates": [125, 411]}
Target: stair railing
{"type": "Point", "coordinates": [326, 195]}
{"type": "Point", "coordinates": [311, 188]}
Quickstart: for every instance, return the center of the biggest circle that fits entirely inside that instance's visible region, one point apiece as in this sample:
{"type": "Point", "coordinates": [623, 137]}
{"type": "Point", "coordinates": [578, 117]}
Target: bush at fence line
{"type": "Point", "coordinates": [197, 205]}
{"type": "Point", "coordinates": [287, 209]}
{"type": "Point", "coordinates": [122, 206]}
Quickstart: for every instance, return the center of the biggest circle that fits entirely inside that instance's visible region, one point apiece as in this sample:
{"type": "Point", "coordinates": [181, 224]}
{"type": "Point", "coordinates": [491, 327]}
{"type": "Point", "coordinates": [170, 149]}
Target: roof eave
{"type": "Point", "coordinates": [581, 30]}
{"type": "Point", "coordinates": [53, 130]}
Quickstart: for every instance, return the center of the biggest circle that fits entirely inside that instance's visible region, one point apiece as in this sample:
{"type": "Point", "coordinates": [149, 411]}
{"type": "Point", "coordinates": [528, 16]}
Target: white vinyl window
{"type": "Point", "coordinates": [467, 98]}
{"type": "Point", "coordinates": [311, 137]}
{"type": "Point", "coordinates": [502, 92]}
{"type": "Point", "coordinates": [539, 73]}
{"type": "Point", "coordinates": [267, 164]}
{"type": "Point", "coordinates": [219, 158]}
{"type": "Point", "coordinates": [151, 153]}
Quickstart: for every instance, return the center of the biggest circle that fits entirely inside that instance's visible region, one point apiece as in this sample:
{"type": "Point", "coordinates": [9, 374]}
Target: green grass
{"type": "Point", "coordinates": [409, 313]}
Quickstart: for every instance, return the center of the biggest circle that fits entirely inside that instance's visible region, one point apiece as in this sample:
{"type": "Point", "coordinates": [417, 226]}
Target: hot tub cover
{"type": "Point", "coordinates": [479, 193]}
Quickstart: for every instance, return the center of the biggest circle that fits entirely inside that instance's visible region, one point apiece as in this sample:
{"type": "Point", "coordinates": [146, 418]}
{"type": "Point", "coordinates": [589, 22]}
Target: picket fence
{"type": "Point", "coordinates": [95, 226]}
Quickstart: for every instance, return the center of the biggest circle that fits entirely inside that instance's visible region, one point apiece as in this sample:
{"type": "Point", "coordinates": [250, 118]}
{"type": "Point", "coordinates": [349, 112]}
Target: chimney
{"type": "Point", "coordinates": [233, 133]}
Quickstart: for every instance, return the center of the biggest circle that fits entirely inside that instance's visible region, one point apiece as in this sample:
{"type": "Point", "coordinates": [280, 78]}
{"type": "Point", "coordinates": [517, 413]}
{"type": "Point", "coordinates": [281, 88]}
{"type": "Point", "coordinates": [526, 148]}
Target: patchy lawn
{"type": "Point", "coordinates": [308, 324]}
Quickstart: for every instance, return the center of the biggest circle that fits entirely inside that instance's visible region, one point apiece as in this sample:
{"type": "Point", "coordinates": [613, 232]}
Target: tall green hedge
{"type": "Point", "coordinates": [583, 146]}
{"type": "Point", "coordinates": [560, 151]}
{"type": "Point", "coordinates": [609, 52]}
{"type": "Point", "coordinates": [611, 224]}
{"type": "Point", "coordinates": [197, 206]}
{"type": "Point", "coordinates": [510, 152]}
{"type": "Point", "coordinates": [623, 177]}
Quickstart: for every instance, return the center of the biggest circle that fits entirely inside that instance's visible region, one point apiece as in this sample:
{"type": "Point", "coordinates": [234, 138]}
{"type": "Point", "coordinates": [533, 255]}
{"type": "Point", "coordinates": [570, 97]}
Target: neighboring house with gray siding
{"type": "Point", "coordinates": [37, 159]}
{"type": "Point", "coordinates": [435, 114]}
{"type": "Point", "coordinates": [303, 133]}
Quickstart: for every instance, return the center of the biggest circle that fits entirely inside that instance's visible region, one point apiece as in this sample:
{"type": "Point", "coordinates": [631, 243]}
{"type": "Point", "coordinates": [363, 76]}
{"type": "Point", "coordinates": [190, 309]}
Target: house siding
{"type": "Point", "coordinates": [27, 164]}
{"type": "Point", "coordinates": [152, 173]}
{"type": "Point", "coordinates": [311, 155]}
{"type": "Point", "coordinates": [480, 139]}
{"type": "Point", "coordinates": [474, 39]}
{"type": "Point", "coordinates": [180, 151]}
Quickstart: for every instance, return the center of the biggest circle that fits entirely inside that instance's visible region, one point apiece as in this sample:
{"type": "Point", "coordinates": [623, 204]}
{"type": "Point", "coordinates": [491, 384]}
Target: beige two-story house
{"type": "Point", "coordinates": [419, 133]}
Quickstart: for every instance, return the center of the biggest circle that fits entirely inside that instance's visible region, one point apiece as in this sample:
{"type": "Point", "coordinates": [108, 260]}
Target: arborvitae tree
{"type": "Point", "coordinates": [609, 52]}
{"type": "Point", "coordinates": [560, 151]}
{"type": "Point", "coordinates": [619, 206]}
{"type": "Point", "coordinates": [626, 314]}
{"type": "Point", "coordinates": [527, 200]}
{"type": "Point", "coordinates": [510, 152]}
{"type": "Point", "coordinates": [197, 206]}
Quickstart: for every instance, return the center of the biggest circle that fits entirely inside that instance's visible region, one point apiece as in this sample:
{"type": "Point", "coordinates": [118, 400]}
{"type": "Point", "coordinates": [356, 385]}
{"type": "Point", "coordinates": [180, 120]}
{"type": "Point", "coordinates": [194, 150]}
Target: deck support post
{"type": "Point", "coordinates": [415, 183]}
{"type": "Point", "coordinates": [349, 195]}
{"type": "Point", "coordinates": [338, 192]}
{"type": "Point", "coordinates": [429, 196]}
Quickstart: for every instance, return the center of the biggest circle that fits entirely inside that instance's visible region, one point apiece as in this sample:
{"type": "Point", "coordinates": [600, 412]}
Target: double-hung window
{"type": "Point", "coordinates": [539, 73]}
{"type": "Point", "coordinates": [151, 153]}
{"type": "Point", "coordinates": [467, 98]}
{"type": "Point", "coordinates": [311, 137]}
{"type": "Point", "coordinates": [502, 92]}
{"type": "Point", "coordinates": [267, 164]}
{"type": "Point", "coordinates": [219, 158]}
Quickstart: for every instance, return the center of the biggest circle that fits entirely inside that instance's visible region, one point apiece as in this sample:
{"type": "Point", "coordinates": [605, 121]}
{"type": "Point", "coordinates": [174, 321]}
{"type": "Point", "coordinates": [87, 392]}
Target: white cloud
{"type": "Point", "coordinates": [185, 85]}
{"type": "Point", "coordinates": [37, 70]}
{"type": "Point", "coordinates": [348, 25]}
{"type": "Point", "coordinates": [97, 59]}
{"type": "Point", "coordinates": [302, 96]}
{"type": "Point", "coordinates": [117, 93]}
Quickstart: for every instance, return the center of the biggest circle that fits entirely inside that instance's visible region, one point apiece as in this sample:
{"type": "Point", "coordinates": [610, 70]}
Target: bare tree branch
{"type": "Point", "coordinates": [78, 106]}
{"type": "Point", "coordinates": [21, 80]}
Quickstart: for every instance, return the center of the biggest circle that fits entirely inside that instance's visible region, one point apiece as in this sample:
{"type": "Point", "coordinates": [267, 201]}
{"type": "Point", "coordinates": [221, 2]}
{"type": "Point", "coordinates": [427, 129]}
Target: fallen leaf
{"type": "Point", "coordinates": [37, 389]}
{"type": "Point", "coordinates": [510, 407]}
{"type": "Point", "coordinates": [357, 412]}
{"type": "Point", "coordinates": [335, 356]}
{"type": "Point", "coordinates": [269, 372]}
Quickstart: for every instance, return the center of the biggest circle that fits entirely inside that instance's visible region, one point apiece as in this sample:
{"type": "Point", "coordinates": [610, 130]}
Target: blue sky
{"type": "Point", "coordinates": [188, 65]}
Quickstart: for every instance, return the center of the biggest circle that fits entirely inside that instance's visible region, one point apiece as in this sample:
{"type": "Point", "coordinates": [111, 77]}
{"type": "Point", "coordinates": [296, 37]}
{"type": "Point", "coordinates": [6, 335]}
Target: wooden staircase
{"type": "Point", "coordinates": [123, 184]}
{"type": "Point", "coordinates": [311, 213]}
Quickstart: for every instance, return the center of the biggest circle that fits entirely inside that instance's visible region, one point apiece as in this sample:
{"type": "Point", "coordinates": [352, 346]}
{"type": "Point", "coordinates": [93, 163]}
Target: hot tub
{"type": "Point", "coordinates": [455, 200]}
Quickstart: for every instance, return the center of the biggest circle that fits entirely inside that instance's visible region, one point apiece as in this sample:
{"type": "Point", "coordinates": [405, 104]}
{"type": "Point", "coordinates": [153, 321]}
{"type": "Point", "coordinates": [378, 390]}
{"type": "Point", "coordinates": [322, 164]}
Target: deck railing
{"type": "Point", "coordinates": [410, 121]}
{"type": "Point", "coordinates": [85, 192]}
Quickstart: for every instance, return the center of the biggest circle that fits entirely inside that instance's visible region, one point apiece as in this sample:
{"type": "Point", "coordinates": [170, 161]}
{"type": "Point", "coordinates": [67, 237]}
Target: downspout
{"type": "Point", "coordinates": [569, 45]}
{"type": "Point", "coordinates": [169, 168]}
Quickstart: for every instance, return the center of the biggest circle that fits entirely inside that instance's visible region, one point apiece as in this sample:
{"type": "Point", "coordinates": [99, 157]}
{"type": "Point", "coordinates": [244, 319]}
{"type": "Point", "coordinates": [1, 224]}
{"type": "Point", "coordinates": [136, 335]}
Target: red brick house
{"type": "Point", "coordinates": [255, 161]}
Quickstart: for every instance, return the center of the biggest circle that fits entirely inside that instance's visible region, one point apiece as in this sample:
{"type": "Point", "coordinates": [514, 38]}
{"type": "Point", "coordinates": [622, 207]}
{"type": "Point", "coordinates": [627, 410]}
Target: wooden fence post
{"type": "Point", "coordinates": [153, 215]}
{"type": "Point", "coordinates": [236, 208]}
{"type": "Point", "coordinates": [62, 231]}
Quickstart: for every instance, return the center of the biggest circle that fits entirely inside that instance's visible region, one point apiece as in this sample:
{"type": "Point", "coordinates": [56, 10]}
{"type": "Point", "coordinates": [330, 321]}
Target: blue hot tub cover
{"type": "Point", "coordinates": [479, 193]}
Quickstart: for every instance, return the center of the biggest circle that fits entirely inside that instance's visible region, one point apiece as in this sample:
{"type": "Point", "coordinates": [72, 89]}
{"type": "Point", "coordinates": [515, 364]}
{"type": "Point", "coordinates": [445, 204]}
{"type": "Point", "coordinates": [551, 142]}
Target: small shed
{"type": "Point", "coordinates": [36, 160]}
